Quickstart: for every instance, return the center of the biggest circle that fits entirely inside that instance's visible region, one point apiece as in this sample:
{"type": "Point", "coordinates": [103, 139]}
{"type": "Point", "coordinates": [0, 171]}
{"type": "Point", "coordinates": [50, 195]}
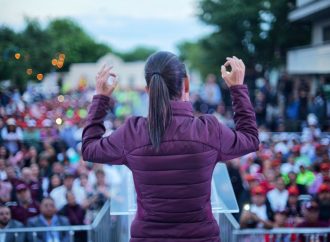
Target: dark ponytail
{"type": "Point", "coordinates": [160, 112]}
{"type": "Point", "coordinates": [164, 74]}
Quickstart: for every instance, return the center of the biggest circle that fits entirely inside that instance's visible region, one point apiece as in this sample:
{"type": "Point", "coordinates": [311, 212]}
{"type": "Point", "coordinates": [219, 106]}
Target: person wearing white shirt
{"type": "Point", "coordinates": [257, 214]}
{"type": "Point", "coordinates": [59, 193]}
{"type": "Point", "coordinates": [289, 166]}
{"type": "Point", "coordinates": [278, 197]}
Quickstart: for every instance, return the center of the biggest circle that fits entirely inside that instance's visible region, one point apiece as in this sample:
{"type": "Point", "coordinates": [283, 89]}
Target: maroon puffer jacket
{"type": "Point", "coordinates": [173, 186]}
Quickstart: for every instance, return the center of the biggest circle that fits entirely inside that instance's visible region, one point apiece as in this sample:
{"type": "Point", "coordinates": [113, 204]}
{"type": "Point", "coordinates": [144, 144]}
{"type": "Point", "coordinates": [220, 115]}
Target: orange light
{"type": "Point", "coordinates": [54, 62]}
{"type": "Point", "coordinates": [60, 64]}
{"type": "Point", "coordinates": [61, 56]}
{"type": "Point", "coordinates": [29, 71]}
{"type": "Point", "coordinates": [40, 76]}
{"type": "Point", "coordinates": [17, 56]}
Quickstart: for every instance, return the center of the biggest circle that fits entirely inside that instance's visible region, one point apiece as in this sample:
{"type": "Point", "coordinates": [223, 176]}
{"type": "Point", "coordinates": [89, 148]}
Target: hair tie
{"type": "Point", "coordinates": [156, 73]}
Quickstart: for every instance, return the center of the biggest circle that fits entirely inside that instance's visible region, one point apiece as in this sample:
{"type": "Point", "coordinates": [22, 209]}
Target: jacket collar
{"type": "Point", "coordinates": [181, 108]}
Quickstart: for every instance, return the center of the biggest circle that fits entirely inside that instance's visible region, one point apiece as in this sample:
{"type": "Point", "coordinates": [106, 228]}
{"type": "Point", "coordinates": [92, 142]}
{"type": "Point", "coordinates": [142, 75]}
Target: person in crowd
{"type": "Point", "coordinates": [305, 176]}
{"type": "Point", "coordinates": [33, 183]}
{"type": "Point", "coordinates": [249, 182]}
{"type": "Point", "coordinates": [319, 179]}
{"type": "Point", "coordinates": [12, 136]}
{"type": "Point", "coordinates": [323, 198]}
{"type": "Point", "coordinates": [31, 157]}
{"type": "Point", "coordinates": [312, 131]}
{"type": "Point", "coordinates": [12, 176]}
{"type": "Point", "coordinates": [44, 165]}
{"type": "Point", "coordinates": [58, 168]}
{"type": "Point", "coordinates": [99, 195]}
{"type": "Point", "coordinates": [278, 197]}
{"type": "Point", "coordinates": [258, 214]}
{"type": "Point", "coordinates": [291, 179]}
{"type": "Point", "coordinates": [3, 174]}
{"type": "Point", "coordinates": [293, 207]}
{"type": "Point", "coordinates": [72, 210]}
{"type": "Point", "coordinates": [101, 187]}
{"type": "Point", "coordinates": [4, 152]}
{"type": "Point", "coordinates": [311, 213]}
{"type": "Point", "coordinates": [288, 166]}
{"type": "Point", "coordinates": [75, 213]}
{"type": "Point", "coordinates": [55, 181]}
{"type": "Point", "coordinates": [25, 207]}
{"type": "Point", "coordinates": [260, 107]}
{"type": "Point", "coordinates": [311, 219]}
{"type": "Point", "coordinates": [82, 181]}
{"type": "Point", "coordinates": [43, 181]}
{"type": "Point", "coordinates": [5, 191]}
{"type": "Point", "coordinates": [6, 222]}
{"type": "Point", "coordinates": [31, 135]}
{"type": "Point", "coordinates": [48, 217]}
{"type": "Point", "coordinates": [280, 219]}
{"type": "Point", "coordinates": [59, 193]}
{"type": "Point", "coordinates": [211, 93]}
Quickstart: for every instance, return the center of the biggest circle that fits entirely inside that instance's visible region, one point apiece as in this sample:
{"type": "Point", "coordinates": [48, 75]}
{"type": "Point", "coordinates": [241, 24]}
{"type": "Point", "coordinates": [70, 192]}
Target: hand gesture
{"type": "Point", "coordinates": [103, 87]}
{"type": "Point", "coordinates": [236, 75]}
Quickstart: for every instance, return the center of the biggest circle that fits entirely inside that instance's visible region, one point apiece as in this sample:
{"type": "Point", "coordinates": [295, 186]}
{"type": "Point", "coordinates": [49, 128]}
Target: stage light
{"type": "Point", "coordinates": [40, 76]}
{"type": "Point", "coordinates": [17, 56]}
{"type": "Point", "coordinates": [29, 71]}
{"type": "Point", "coordinates": [59, 121]}
{"type": "Point", "coordinates": [60, 98]}
{"type": "Point", "coordinates": [54, 62]}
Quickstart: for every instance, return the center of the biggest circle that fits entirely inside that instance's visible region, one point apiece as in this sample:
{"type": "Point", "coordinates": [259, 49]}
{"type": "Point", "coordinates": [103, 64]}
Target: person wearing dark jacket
{"type": "Point", "coordinates": [48, 218]}
{"type": "Point", "coordinates": [171, 153]}
{"type": "Point", "coordinates": [6, 222]}
{"type": "Point", "coordinates": [75, 213]}
{"type": "Point", "coordinates": [25, 207]}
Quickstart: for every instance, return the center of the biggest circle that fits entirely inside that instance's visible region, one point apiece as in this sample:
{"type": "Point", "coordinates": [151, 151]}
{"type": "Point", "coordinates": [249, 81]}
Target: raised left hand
{"type": "Point", "coordinates": [103, 87]}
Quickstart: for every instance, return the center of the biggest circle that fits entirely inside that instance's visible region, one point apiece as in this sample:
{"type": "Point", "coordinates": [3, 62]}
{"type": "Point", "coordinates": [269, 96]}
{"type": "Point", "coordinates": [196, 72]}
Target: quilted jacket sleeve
{"type": "Point", "coordinates": [96, 148]}
{"type": "Point", "coordinates": [244, 138]}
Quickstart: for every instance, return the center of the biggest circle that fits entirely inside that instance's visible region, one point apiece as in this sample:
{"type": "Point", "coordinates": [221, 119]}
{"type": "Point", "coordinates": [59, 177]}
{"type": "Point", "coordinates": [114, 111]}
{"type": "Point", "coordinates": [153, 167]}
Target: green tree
{"type": "Point", "coordinates": [69, 38]}
{"type": "Point", "coordinates": [37, 47]}
{"type": "Point", "coordinates": [138, 53]}
{"type": "Point", "coordinates": [257, 31]}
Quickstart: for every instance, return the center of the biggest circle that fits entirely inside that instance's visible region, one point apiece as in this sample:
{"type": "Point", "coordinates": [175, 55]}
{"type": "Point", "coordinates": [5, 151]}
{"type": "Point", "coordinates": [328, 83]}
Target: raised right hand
{"type": "Point", "coordinates": [236, 75]}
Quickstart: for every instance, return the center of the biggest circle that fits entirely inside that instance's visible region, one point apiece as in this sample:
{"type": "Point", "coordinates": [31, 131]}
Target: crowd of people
{"type": "Point", "coordinates": [280, 107]}
{"type": "Point", "coordinates": [44, 180]}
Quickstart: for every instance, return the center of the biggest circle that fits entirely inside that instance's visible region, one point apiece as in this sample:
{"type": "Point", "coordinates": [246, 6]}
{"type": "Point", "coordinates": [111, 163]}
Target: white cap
{"type": "Point", "coordinates": [11, 121]}
{"type": "Point", "coordinates": [312, 119]}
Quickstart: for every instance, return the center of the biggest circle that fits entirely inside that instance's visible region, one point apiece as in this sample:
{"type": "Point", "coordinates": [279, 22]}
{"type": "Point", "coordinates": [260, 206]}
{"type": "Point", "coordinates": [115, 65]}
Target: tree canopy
{"type": "Point", "coordinates": [258, 31]}
{"type": "Point", "coordinates": [36, 50]}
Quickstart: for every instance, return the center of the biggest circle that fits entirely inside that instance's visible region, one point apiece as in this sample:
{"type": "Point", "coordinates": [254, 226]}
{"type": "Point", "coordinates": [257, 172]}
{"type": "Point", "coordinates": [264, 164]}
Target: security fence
{"type": "Point", "coordinates": [282, 235]}
{"type": "Point", "coordinates": [98, 231]}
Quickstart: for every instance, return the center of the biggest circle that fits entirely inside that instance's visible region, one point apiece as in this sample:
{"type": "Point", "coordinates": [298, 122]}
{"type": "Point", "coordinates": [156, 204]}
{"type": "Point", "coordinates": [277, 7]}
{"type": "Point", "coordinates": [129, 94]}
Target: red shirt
{"type": "Point", "coordinates": [21, 213]}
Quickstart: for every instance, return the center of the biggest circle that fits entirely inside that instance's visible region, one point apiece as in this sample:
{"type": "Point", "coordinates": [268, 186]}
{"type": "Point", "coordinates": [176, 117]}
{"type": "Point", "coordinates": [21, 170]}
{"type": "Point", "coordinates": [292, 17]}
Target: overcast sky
{"type": "Point", "coordinates": [123, 24]}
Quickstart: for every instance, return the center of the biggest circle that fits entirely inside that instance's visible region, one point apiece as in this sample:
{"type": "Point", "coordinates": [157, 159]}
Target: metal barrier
{"type": "Point", "coordinates": [282, 234]}
{"type": "Point", "coordinates": [101, 225]}
{"type": "Point", "coordinates": [98, 231]}
{"type": "Point", "coordinates": [227, 224]}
